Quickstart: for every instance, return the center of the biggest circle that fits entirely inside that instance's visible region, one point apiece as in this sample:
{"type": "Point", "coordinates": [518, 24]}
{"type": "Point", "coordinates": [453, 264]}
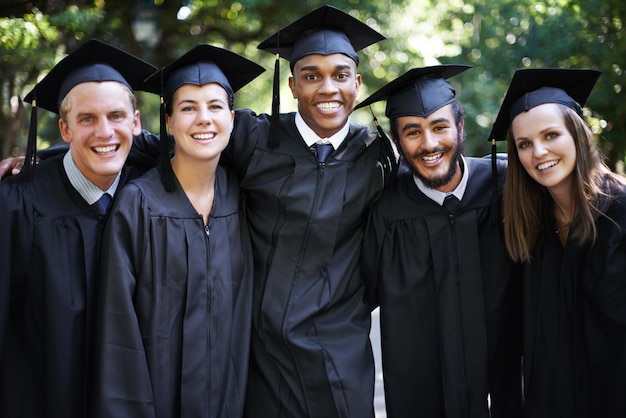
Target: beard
{"type": "Point", "coordinates": [437, 182]}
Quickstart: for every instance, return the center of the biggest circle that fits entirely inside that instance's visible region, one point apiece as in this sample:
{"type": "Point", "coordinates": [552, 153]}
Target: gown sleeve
{"type": "Point", "coordinates": [123, 385]}
{"type": "Point", "coordinates": [610, 288]}
{"type": "Point", "coordinates": [370, 253]}
{"type": "Point", "coordinates": [248, 129]}
{"type": "Point", "coordinates": [145, 150]}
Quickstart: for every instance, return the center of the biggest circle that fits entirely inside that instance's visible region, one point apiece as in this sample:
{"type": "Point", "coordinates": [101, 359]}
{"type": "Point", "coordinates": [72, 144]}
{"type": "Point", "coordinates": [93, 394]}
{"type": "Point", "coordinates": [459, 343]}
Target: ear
{"type": "Point", "coordinates": [136, 123]}
{"type": "Point", "coordinates": [167, 123]}
{"type": "Point", "coordinates": [66, 132]}
{"type": "Point", "coordinates": [358, 82]}
{"type": "Point", "coordinates": [461, 128]}
{"type": "Point", "coordinates": [292, 86]}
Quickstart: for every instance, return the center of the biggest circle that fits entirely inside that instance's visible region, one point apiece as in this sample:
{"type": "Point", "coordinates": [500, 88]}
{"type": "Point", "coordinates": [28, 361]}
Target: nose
{"type": "Point", "coordinates": [430, 140]}
{"type": "Point", "coordinates": [328, 85]}
{"type": "Point", "coordinates": [539, 149]}
{"type": "Point", "coordinates": [104, 128]}
{"type": "Point", "coordinates": [204, 116]}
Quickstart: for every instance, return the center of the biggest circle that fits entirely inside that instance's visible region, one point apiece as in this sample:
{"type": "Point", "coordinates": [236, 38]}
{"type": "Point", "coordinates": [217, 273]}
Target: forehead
{"type": "Point", "coordinates": [207, 91]}
{"type": "Point", "coordinates": [325, 61]}
{"type": "Point", "coordinates": [537, 118]}
{"type": "Point", "coordinates": [99, 93]}
{"type": "Point", "coordinates": [444, 112]}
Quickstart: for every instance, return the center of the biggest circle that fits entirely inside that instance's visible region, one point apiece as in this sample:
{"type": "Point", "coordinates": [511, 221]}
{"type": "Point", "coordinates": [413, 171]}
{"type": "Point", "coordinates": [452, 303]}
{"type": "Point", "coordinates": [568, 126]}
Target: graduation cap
{"type": "Point", "coordinates": [532, 87]}
{"type": "Point", "coordinates": [325, 31]}
{"type": "Point", "coordinates": [92, 61]}
{"type": "Point", "coordinates": [201, 65]}
{"type": "Point", "coordinates": [419, 92]}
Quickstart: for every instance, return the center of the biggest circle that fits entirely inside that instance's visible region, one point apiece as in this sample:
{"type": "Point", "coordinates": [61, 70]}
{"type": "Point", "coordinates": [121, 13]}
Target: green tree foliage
{"type": "Point", "coordinates": [31, 45]}
{"type": "Point", "coordinates": [27, 46]}
{"type": "Point", "coordinates": [551, 33]}
{"type": "Point", "coordinates": [494, 36]}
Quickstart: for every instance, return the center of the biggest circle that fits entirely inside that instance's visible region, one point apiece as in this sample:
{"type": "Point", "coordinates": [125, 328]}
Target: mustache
{"type": "Point", "coordinates": [431, 151]}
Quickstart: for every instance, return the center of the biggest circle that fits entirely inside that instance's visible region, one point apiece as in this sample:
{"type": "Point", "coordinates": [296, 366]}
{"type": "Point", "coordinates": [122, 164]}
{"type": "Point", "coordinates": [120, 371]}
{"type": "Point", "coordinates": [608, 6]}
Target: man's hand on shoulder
{"type": "Point", "coordinates": [11, 166]}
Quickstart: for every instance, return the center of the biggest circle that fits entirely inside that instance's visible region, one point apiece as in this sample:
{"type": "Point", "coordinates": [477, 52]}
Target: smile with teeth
{"type": "Point", "coordinates": [328, 106]}
{"type": "Point", "coordinates": [547, 165]}
{"type": "Point", "coordinates": [432, 157]}
{"type": "Point", "coordinates": [105, 149]}
{"type": "Point", "coordinates": [203, 137]}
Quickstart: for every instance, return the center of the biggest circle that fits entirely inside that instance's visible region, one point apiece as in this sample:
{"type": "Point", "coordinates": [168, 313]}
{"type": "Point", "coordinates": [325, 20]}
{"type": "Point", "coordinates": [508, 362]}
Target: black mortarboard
{"type": "Point", "coordinates": [201, 65]}
{"type": "Point", "coordinates": [536, 86]}
{"type": "Point", "coordinates": [325, 31]}
{"type": "Point", "coordinates": [419, 92]}
{"type": "Point", "coordinates": [92, 61]}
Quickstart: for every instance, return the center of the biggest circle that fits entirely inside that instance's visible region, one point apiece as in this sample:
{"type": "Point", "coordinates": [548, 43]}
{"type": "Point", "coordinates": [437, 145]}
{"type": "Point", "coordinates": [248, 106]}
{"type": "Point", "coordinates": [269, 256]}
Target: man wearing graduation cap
{"type": "Point", "coordinates": [50, 227]}
{"type": "Point", "coordinates": [434, 260]}
{"type": "Point", "coordinates": [311, 354]}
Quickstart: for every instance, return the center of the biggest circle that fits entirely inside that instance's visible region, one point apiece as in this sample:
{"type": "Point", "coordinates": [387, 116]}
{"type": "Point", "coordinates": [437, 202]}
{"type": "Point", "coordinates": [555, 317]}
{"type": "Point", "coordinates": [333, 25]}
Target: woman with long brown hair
{"type": "Point", "coordinates": [565, 219]}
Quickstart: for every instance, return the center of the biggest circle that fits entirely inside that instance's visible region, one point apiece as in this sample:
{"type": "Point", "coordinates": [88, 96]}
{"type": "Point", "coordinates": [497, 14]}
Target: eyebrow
{"type": "Point", "coordinates": [315, 67]}
{"type": "Point", "coordinates": [549, 128]}
{"type": "Point", "coordinates": [93, 114]}
{"type": "Point", "coordinates": [411, 126]}
{"type": "Point", "coordinates": [183, 101]}
{"type": "Point", "coordinates": [414, 125]}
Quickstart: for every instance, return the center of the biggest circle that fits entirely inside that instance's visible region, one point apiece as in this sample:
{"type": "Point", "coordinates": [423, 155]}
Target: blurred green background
{"type": "Point", "coordinates": [494, 36]}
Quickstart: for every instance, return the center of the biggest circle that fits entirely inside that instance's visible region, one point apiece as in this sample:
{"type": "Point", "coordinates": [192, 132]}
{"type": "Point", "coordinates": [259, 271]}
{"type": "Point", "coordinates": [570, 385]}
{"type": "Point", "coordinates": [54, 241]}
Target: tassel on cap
{"type": "Point", "coordinates": [166, 167]}
{"type": "Point", "coordinates": [275, 123]}
{"type": "Point", "coordinates": [495, 212]}
{"type": "Point", "coordinates": [389, 151]}
{"type": "Point", "coordinates": [27, 171]}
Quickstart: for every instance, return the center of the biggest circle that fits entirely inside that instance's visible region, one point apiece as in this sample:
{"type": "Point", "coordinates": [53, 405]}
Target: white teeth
{"type": "Point", "coordinates": [104, 150]}
{"type": "Point", "coordinates": [431, 158]}
{"type": "Point", "coordinates": [327, 106]}
{"type": "Point", "coordinates": [203, 136]}
{"type": "Point", "coordinates": [548, 164]}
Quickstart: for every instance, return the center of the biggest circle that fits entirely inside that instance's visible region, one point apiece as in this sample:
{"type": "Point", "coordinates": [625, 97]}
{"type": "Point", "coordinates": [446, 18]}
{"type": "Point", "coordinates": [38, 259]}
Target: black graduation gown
{"type": "Point", "coordinates": [49, 249]}
{"type": "Point", "coordinates": [311, 354]}
{"type": "Point", "coordinates": [575, 323]}
{"type": "Point", "coordinates": [450, 302]}
{"type": "Point", "coordinates": [173, 328]}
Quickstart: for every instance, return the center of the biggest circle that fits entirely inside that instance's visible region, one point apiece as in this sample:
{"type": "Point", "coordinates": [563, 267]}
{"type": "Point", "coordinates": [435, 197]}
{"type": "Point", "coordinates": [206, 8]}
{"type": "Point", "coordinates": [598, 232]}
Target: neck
{"type": "Point", "coordinates": [563, 208]}
{"type": "Point", "coordinates": [195, 176]}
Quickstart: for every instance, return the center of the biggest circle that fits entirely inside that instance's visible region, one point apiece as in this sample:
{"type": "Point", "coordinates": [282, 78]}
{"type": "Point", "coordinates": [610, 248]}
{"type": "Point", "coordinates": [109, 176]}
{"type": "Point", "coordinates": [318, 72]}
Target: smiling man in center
{"type": "Point", "coordinates": [309, 178]}
{"type": "Point", "coordinates": [434, 260]}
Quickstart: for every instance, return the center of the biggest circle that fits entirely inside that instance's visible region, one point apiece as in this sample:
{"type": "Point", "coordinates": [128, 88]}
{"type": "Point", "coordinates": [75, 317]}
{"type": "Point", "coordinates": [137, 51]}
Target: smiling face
{"type": "Point", "coordinates": [326, 87]}
{"type": "Point", "coordinates": [431, 146]}
{"type": "Point", "coordinates": [201, 121]}
{"type": "Point", "coordinates": [98, 121]}
{"type": "Point", "coordinates": [545, 146]}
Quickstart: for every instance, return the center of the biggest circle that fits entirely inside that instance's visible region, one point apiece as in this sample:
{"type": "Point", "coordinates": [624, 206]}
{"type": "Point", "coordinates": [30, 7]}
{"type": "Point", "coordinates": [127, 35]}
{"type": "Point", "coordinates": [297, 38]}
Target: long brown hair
{"type": "Point", "coordinates": [528, 206]}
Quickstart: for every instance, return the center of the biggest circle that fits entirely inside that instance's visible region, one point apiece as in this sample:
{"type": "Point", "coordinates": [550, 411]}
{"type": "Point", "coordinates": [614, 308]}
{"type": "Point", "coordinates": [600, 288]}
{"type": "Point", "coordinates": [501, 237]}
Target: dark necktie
{"type": "Point", "coordinates": [102, 205]}
{"type": "Point", "coordinates": [451, 203]}
{"type": "Point", "coordinates": [323, 151]}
